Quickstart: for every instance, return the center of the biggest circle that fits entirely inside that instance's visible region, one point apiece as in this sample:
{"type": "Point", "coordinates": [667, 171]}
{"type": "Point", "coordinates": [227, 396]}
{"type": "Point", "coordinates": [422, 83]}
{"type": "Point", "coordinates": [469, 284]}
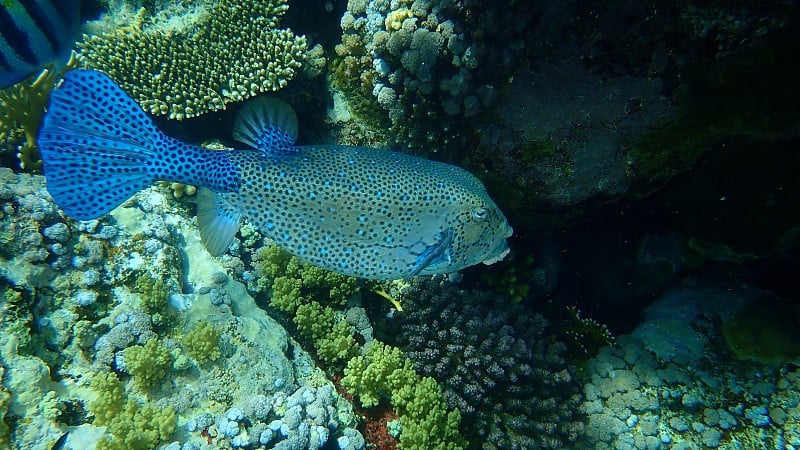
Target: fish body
{"type": "Point", "coordinates": [359, 211]}
{"type": "Point", "coordinates": [34, 34]}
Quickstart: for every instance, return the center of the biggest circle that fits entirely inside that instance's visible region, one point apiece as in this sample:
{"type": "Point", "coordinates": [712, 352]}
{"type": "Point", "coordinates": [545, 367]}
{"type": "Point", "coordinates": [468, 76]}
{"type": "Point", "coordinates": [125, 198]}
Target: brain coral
{"type": "Point", "coordinates": [230, 51]}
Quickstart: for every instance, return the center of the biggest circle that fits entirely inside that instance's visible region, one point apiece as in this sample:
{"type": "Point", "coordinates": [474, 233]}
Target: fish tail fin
{"type": "Point", "coordinates": [97, 145]}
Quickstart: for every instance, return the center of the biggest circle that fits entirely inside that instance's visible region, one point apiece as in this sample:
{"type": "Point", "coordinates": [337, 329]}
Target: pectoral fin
{"type": "Point", "coordinates": [435, 253]}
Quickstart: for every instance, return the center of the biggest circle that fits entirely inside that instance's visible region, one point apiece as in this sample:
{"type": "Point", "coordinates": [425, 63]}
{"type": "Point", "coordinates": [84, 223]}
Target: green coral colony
{"type": "Point", "coordinates": [122, 332]}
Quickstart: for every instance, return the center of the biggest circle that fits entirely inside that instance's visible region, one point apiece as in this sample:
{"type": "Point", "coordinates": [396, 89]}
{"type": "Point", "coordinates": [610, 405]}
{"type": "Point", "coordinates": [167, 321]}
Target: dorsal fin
{"type": "Point", "coordinates": [267, 124]}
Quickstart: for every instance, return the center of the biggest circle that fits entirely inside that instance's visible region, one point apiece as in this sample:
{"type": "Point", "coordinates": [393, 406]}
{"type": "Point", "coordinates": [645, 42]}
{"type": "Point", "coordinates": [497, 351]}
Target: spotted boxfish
{"type": "Point", "coordinates": [35, 34]}
{"type": "Point", "coordinates": [358, 211]}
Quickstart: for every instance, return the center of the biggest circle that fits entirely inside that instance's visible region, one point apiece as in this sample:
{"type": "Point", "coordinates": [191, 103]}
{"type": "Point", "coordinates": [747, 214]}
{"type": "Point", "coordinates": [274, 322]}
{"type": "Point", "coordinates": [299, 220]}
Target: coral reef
{"type": "Point", "coordinates": [123, 333]}
{"type": "Point", "coordinates": [85, 298]}
{"type": "Point", "coordinates": [305, 293]}
{"type": "Point", "coordinates": [406, 62]}
{"type": "Point", "coordinates": [426, 421]}
{"type": "Point", "coordinates": [497, 365]}
{"type": "Point", "coordinates": [670, 384]}
{"type": "Point", "coordinates": [21, 110]}
{"type": "Point", "coordinates": [237, 46]}
{"type": "Point", "coordinates": [579, 103]}
{"type": "Point", "coordinates": [202, 342]}
{"type": "Point", "coordinates": [382, 373]}
{"type": "Point", "coordinates": [129, 424]}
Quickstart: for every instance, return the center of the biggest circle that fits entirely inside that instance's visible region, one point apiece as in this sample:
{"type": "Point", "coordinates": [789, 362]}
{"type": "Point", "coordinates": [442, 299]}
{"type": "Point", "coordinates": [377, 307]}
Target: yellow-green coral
{"type": "Point", "coordinates": [384, 372]}
{"type": "Point", "coordinates": [22, 107]}
{"type": "Point", "coordinates": [231, 52]}
{"type": "Point", "coordinates": [272, 262]}
{"type": "Point", "coordinates": [381, 371]}
{"type": "Point", "coordinates": [426, 421]}
{"type": "Point", "coordinates": [294, 282]}
{"type": "Point", "coordinates": [148, 364]}
{"type": "Point", "coordinates": [153, 294]}
{"type": "Point", "coordinates": [333, 340]}
{"type": "Point", "coordinates": [110, 397]}
{"type": "Point", "coordinates": [202, 343]}
{"type": "Point", "coordinates": [286, 294]}
{"type": "Point", "coordinates": [130, 425]}
{"type": "Point", "coordinates": [339, 345]}
{"type": "Point", "coordinates": [5, 399]}
{"type": "Point", "coordinates": [335, 288]}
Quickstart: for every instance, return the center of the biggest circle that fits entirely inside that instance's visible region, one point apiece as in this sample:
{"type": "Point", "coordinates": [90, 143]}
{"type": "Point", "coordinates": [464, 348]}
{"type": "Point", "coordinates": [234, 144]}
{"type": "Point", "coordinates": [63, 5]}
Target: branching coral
{"type": "Point", "coordinates": [153, 294]}
{"type": "Point", "coordinates": [148, 364]}
{"type": "Point", "coordinates": [384, 372]}
{"type": "Point", "coordinates": [496, 365]}
{"type": "Point", "coordinates": [293, 282]}
{"type": "Point", "coordinates": [381, 371]}
{"type": "Point", "coordinates": [154, 298]}
{"type": "Point", "coordinates": [202, 343]}
{"type": "Point", "coordinates": [332, 338]}
{"type": "Point", "coordinates": [231, 52]}
{"type": "Point", "coordinates": [426, 419]}
{"type": "Point", "coordinates": [130, 426]}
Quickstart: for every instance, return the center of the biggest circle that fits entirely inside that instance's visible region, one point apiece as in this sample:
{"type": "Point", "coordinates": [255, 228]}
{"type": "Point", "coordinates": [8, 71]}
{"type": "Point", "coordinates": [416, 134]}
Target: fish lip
{"type": "Point", "coordinates": [498, 254]}
{"type": "Point", "coordinates": [509, 231]}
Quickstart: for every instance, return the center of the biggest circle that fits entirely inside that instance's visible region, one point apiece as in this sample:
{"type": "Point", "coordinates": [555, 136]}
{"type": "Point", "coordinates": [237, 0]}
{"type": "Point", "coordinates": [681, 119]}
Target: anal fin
{"type": "Point", "coordinates": [217, 219]}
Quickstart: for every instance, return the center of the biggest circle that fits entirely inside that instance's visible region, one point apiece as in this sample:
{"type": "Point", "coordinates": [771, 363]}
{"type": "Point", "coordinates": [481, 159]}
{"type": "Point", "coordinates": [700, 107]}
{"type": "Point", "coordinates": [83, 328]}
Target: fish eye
{"type": "Point", "coordinates": [479, 213]}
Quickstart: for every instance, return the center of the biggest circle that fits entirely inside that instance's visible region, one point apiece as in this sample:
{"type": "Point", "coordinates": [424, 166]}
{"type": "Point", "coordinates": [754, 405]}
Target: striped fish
{"type": "Point", "coordinates": [35, 34]}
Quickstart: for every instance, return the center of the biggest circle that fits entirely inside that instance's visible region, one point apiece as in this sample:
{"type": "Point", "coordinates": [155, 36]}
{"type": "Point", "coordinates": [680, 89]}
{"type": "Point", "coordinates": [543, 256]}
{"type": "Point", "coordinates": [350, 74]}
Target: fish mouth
{"type": "Point", "coordinates": [498, 254]}
{"type": "Point", "coordinates": [509, 231]}
{"type": "Point", "coordinates": [502, 249]}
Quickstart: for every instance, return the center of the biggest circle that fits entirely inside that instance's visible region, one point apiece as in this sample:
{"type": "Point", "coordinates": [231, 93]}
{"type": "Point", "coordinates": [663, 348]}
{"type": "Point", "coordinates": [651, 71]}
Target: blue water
{"type": "Point", "coordinates": [645, 154]}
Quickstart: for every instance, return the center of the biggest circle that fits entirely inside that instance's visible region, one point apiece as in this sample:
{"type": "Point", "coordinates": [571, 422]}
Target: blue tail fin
{"type": "Point", "coordinates": [96, 143]}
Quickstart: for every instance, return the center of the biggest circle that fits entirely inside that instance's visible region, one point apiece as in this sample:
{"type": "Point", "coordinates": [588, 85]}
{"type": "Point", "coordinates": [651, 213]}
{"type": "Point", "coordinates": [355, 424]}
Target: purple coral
{"type": "Point", "coordinates": [496, 364]}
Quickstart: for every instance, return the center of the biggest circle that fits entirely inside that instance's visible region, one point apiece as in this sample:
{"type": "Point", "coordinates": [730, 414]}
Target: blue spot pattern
{"type": "Point", "coordinates": [99, 148]}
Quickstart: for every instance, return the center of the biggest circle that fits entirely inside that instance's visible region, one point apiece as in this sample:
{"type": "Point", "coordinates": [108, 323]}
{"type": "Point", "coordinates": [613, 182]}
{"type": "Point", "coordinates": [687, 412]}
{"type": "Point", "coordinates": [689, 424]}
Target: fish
{"type": "Point", "coordinates": [359, 211]}
{"type": "Point", "coordinates": [35, 34]}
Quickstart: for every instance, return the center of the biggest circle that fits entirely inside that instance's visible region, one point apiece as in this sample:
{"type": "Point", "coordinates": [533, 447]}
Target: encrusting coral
{"type": "Point", "coordinates": [231, 52]}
